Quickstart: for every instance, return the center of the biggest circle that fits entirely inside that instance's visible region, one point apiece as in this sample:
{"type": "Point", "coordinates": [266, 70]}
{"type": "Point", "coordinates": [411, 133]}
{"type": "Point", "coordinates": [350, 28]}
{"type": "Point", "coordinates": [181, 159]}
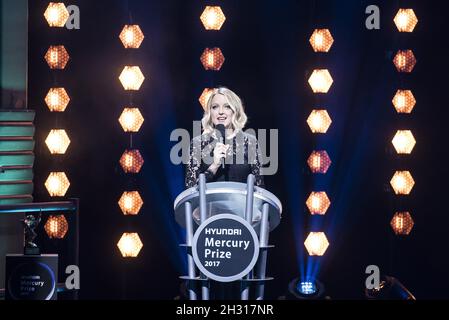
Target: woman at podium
{"type": "Point", "coordinates": [223, 152]}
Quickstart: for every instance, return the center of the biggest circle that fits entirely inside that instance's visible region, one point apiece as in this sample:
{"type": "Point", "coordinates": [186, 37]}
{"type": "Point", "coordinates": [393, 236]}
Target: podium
{"type": "Point", "coordinates": [227, 229]}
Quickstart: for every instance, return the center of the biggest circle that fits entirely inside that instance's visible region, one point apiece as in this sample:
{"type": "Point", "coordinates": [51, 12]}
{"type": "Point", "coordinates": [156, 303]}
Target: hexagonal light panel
{"type": "Point", "coordinates": [316, 243]}
{"type": "Point", "coordinates": [57, 141]}
{"type": "Point", "coordinates": [130, 245]}
{"type": "Point", "coordinates": [402, 223]}
{"type": "Point", "coordinates": [131, 78]}
{"type": "Point", "coordinates": [212, 18]}
{"type": "Point", "coordinates": [57, 57]}
{"type": "Point", "coordinates": [320, 81]}
{"type": "Point", "coordinates": [131, 36]}
{"type": "Point", "coordinates": [57, 99]}
{"type": "Point", "coordinates": [130, 202]}
{"type": "Point", "coordinates": [212, 59]}
{"type": "Point", "coordinates": [402, 182]}
{"type": "Point", "coordinates": [404, 101]}
{"type": "Point", "coordinates": [131, 119]}
{"type": "Point", "coordinates": [404, 61]}
{"type": "Point", "coordinates": [405, 20]}
{"type": "Point", "coordinates": [56, 14]}
{"type": "Point", "coordinates": [319, 121]}
{"type": "Point", "coordinates": [321, 40]}
{"type": "Point", "coordinates": [319, 161]}
{"type": "Point", "coordinates": [403, 141]}
{"type": "Point", "coordinates": [131, 161]}
{"type": "Point", "coordinates": [205, 97]}
{"type": "Point", "coordinates": [56, 226]}
{"type": "Point", "coordinates": [57, 184]}
{"type": "Point", "coordinates": [318, 203]}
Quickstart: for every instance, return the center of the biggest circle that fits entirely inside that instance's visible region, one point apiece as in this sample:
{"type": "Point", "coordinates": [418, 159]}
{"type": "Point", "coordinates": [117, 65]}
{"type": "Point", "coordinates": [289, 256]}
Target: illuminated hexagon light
{"type": "Point", "coordinates": [212, 59]}
{"type": "Point", "coordinates": [205, 97]}
{"type": "Point", "coordinates": [319, 121]}
{"type": "Point", "coordinates": [402, 223]}
{"type": "Point", "coordinates": [212, 18]}
{"type": "Point", "coordinates": [131, 36]}
{"type": "Point", "coordinates": [130, 202]}
{"type": "Point", "coordinates": [402, 182]}
{"type": "Point", "coordinates": [131, 78]}
{"type": "Point", "coordinates": [56, 14]}
{"type": "Point", "coordinates": [316, 243]}
{"type": "Point", "coordinates": [57, 57]}
{"type": "Point", "coordinates": [321, 40]}
{"type": "Point", "coordinates": [57, 99]}
{"type": "Point", "coordinates": [318, 203]}
{"type": "Point", "coordinates": [131, 119]}
{"type": "Point", "coordinates": [405, 20]}
{"type": "Point", "coordinates": [56, 226]}
{"type": "Point", "coordinates": [320, 81]}
{"type": "Point", "coordinates": [57, 184]}
{"type": "Point", "coordinates": [403, 141]}
{"type": "Point", "coordinates": [404, 101]}
{"type": "Point", "coordinates": [404, 61]}
{"type": "Point", "coordinates": [319, 161]}
{"type": "Point", "coordinates": [131, 161]}
{"type": "Point", "coordinates": [57, 141]}
{"type": "Point", "coordinates": [130, 245]}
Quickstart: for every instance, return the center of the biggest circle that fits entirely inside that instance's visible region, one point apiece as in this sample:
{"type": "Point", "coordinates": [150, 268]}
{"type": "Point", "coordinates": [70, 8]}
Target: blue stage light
{"type": "Point", "coordinates": [306, 287]}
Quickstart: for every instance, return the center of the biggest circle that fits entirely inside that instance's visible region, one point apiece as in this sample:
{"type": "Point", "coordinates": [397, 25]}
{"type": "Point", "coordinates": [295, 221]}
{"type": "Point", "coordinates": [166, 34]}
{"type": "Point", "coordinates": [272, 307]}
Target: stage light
{"type": "Point", "coordinates": [319, 161]}
{"type": "Point", "coordinates": [402, 182]}
{"type": "Point", "coordinates": [389, 289]}
{"type": "Point", "coordinates": [404, 101]}
{"type": "Point", "coordinates": [405, 20]}
{"type": "Point", "coordinates": [131, 119]}
{"type": "Point", "coordinates": [318, 203]}
{"type": "Point", "coordinates": [212, 59]}
{"type": "Point", "coordinates": [212, 18]}
{"type": "Point", "coordinates": [316, 243]}
{"type": "Point", "coordinates": [56, 226]}
{"type": "Point", "coordinates": [57, 184]}
{"type": "Point", "coordinates": [205, 97]}
{"type": "Point", "coordinates": [131, 36]}
{"type": "Point", "coordinates": [305, 290]}
{"type": "Point", "coordinates": [320, 81]}
{"type": "Point", "coordinates": [131, 161]}
{"type": "Point", "coordinates": [130, 245]}
{"type": "Point", "coordinates": [57, 99]}
{"type": "Point", "coordinates": [57, 141]}
{"type": "Point", "coordinates": [131, 78]}
{"type": "Point", "coordinates": [57, 57]}
{"type": "Point", "coordinates": [56, 14]}
{"type": "Point", "coordinates": [404, 61]}
{"type": "Point", "coordinates": [130, 202]}
{"type": "Point", "coordinates": [321, 40]}
{"type": "Point", "coordinates": [319, 121]}
{"type": "Point", "coordinates": [403, 141]}
{"type": "Point", "coordinates": [402, 223]}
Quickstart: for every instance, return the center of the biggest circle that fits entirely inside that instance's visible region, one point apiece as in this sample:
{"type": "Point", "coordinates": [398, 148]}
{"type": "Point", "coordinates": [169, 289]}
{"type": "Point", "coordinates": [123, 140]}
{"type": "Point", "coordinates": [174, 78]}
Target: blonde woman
{"type": "Point", "coordinates": [239, 150]}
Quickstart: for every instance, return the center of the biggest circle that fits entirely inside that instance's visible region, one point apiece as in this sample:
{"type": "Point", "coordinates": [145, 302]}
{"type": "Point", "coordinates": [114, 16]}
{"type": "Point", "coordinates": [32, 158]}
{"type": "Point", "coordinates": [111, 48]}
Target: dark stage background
{"type": "Point", "coordinates": [268, 62]}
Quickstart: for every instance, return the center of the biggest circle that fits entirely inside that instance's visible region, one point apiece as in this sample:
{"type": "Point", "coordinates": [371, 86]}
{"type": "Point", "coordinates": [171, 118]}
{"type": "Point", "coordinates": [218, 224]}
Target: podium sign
{"type": "Point", "coordinates": [31, 277]}
{"type": "Point", "coordinates": [225, 247]}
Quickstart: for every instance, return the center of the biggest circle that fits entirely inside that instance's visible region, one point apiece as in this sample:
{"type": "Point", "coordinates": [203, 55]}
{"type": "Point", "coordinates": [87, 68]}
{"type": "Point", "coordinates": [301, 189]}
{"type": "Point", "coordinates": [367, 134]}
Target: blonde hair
{"type": "Point", "coordinates": [239, 117]}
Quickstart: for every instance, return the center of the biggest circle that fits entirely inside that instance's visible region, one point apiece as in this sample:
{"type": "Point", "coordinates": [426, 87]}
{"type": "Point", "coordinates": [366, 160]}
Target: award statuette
{"type": "Point", "coordinates": [30, 223]}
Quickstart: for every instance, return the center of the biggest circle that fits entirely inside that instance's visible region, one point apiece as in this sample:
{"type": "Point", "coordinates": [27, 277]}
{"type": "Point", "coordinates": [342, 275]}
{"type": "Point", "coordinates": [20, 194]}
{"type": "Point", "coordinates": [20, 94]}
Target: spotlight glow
{"type": "Point", "coordinates": [57, 99]}
{"type": "Point", "coordinates": [319, 161]}
{"type": "Point", "coordinates": [57, 57]}
{"type": "Point", "coordinates": [130, 245]}
{"type": "Point", "coordinates": [212, 18]}
{"type": "Point", "coordinates": [402, 223]}
{"type": "Point", "coordinates": [131, 161]}
{"type": "Point", "coordinates": [403, 141]}
{"type": "Point", "coordinates": [405, 20]}
{"type": "Point", "coordinates": [319, 121]}
{"type": "Point", "coordinates": [131, 119]}
{"type": "Point", "coordinates": [131, 78]}
{"type": "Point", "coordinates": [56, 226]}
{"type": "Point", "coordinates": [57, 141]}
{"type": "Point", "coordinates": [320, 81]}
{"type": "Point", "coordinates": [57, 184]}
{"type": "Point", "coordinates": [404, 61]}
{"type": "Point", "coordinates": [56, 14]}
{"type": "Point", "coordinates": [131, 36]}
{"type": "Point", "coordinates": [404, 101]}
{"type": "Point", "coordinates": [130, 202]}
{"type": "Point", "coordinates": [212, 59]}
{"type": "Point", "coordinates": [316, 243]}
{"type": "Point", "coordinates": [321, 40]}
{"type": "Point", "coordinates": [402, 182]}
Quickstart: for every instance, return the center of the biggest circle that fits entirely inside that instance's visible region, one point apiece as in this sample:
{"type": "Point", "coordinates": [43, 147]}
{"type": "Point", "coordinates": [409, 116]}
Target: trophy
{"type": "Point", "coordinates": [30, 223]}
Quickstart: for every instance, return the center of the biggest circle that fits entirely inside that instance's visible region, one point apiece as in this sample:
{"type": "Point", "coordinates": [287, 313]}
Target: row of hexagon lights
{"type": "Point", "coordinates": [403, 141]}
{"type": "Point", "coordinates": [319, 121]}
{"type": "Point", "coordinates": [57, 100]}
{"type": "Point", "coordinates": [131, 161]}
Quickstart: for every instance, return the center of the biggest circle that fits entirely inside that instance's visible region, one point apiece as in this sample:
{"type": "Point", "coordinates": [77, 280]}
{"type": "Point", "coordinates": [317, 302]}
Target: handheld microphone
{"type": "Point", "coordinates": [221, 128]}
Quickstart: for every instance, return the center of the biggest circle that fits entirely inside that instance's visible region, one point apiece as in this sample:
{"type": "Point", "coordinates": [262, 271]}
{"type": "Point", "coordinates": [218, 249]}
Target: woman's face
{"type": "Point", "coordinates": [220, 111]}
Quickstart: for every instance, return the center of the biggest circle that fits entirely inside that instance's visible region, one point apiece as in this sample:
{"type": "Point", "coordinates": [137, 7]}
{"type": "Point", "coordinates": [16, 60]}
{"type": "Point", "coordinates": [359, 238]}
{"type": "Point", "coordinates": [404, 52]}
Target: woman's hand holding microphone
{"type": "Point", "coordinates": [220, 151]}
